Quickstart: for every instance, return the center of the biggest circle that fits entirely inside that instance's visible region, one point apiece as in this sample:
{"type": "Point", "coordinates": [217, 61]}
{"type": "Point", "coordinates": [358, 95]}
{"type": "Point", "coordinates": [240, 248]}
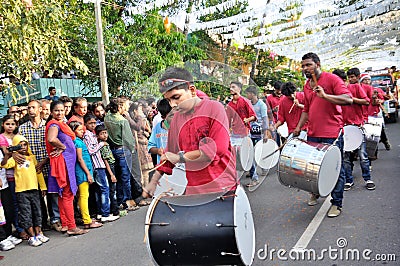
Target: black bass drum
{"type": "Point", "coordinates": [219, 232]}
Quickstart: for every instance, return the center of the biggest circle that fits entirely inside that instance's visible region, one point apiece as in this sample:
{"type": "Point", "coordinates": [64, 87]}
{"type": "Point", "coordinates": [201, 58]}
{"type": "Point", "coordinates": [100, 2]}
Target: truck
{"type": "Point", "coordinates": [384, 80]}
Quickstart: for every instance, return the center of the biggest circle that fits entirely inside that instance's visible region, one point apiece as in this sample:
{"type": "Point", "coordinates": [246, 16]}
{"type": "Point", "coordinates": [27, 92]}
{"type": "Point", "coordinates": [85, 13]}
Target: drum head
{"type": "Point", "coordinates": [246, 154]}
{"type": "Point", "coordinates": [174, 184]}
{"type": "Point", "coordinates": [302, 135]}
{"type": "Point", "coordinates": [372, 130]}
{"type": "Point", "coordinates": [374, 120]}
{"type": "Point", "coordinates": [283, 130]}
{"type": "Point", "coordinates": [353, 138]}
{"type": "Point", "coordinates": [244, 230]}
{"type": "Point", "coordinates": [329, 171]}
{"type": "Point", "coordinates": [266, 154]}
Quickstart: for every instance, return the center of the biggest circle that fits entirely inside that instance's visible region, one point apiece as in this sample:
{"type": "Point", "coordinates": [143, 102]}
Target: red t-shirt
{"type": "Point", "coordinates": [206, 129]}
{"type": "Point", "coordinates": [237, 112]}
{"type": "Point", "coordinates": [353, 114]}
{"type": "Point", "coordinates": [368, 90]}
{"type": "Point", "coordinates": [374, 110]}
{"type": "Point", "coordinates": [324, 118]}
{"type": "Point", "coordinates": [293, 118]}
{"type": "Point", "coordinates": [273, 101]}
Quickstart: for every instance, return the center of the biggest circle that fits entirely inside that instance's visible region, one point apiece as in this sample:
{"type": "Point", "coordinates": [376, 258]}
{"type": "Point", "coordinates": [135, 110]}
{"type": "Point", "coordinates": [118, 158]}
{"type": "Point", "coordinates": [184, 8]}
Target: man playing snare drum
{"type": "Point", "coordinates": [198, 136]}
{"type": "Point", "coordinates": [353, 115]}
{"type": "Point", "coordinates": [324, 92]}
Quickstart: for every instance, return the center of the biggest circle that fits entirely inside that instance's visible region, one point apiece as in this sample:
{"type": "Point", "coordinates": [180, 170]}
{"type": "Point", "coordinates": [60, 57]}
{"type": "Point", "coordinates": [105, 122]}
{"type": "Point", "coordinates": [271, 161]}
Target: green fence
{"type": "Point", "coordinates": [39, 88]}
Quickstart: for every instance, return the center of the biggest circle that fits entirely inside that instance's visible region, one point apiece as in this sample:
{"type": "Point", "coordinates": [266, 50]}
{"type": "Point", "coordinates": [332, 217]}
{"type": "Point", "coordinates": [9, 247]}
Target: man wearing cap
{"type": "Point", "coordinates": [376, 96]}
{"type": "Point", "coordinates": [198, 136]}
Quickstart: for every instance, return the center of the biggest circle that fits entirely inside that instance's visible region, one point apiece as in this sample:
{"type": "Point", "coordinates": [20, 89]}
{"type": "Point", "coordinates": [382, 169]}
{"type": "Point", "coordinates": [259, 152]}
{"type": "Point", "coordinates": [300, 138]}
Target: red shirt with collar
{"type": "Point", "coordinates": [324, 118]}
{"type": "Point", "coordinates": [354, 114]}
{"type": "Point", "coordinates": [293, 118]}
{"type": "Point", "coordinates": [237, 112]}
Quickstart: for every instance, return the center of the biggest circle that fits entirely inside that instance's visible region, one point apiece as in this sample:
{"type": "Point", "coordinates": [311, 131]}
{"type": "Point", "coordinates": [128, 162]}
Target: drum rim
{"type": "Point", "coordinates": [242, 191]}
{"type": "Point", "coordinates": [355, 130]}
{"type": "Point", "coordinates": [330, 148]}
{"type": "Point", "coordinates": [147, 228]}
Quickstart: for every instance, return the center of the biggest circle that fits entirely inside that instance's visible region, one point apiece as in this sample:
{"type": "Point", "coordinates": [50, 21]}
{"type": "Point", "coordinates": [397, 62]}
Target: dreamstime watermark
{"type": "Point", "coordinates": [339, 252]}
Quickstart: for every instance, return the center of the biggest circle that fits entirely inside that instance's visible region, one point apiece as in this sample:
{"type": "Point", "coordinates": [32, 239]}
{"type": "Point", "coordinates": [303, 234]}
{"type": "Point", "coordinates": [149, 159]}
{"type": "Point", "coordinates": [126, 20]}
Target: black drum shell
{"type": "Point", "coordinates": [192, 236]}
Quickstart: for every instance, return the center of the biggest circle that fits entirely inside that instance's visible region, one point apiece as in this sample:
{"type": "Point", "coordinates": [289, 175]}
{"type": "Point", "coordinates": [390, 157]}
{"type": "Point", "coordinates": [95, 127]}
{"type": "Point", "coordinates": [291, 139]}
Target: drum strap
{"type": "Point", "coordinates": [340, 133]}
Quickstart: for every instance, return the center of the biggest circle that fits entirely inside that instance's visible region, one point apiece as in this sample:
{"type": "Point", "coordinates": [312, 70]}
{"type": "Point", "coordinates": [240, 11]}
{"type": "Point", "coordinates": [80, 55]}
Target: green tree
{"type": "Point", "coordinates": [32, 36]}
{"type": "Point", "coordinates": [136, 48]}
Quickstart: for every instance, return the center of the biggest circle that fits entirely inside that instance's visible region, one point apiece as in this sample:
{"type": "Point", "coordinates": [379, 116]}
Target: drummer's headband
{"type": "Point", "coordinates": [169, 84]}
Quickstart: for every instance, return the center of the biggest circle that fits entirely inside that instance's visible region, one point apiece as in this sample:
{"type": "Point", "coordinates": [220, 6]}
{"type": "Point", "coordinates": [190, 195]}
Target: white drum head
{"type": "Point", "coordinates": [283, 130]}
{"type": "Point", "coordinates": [174, 184]}
{"type": "Point", "coordinates": [329, 171]}
{"type": "Point", "coordinates": [263, 154]}
{"type": "Point", "coordinates": [375, 120]}
{"type": "Point", "coordinates": [353, 138]}
{"type": "Point", "coordinates": [244, 230]}
{"type": "Point", "coordinates": [246, 153]}
{"type": "Point", "coordinates": [302, 135]}
{"type": "Point", "coordinates": [373, 130]}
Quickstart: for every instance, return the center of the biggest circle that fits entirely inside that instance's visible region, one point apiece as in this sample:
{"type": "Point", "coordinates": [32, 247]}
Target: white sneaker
{"type": "Point", "coordinates": [14, 240]}
{"type": "Point", "coordinates": [6, 245]}
{"type": "Point", "coordinates": [110, 218]}
{"type": "Point", "coordinates": [34, 242]}
{"type": "Point", "coordinates": [42, 238]}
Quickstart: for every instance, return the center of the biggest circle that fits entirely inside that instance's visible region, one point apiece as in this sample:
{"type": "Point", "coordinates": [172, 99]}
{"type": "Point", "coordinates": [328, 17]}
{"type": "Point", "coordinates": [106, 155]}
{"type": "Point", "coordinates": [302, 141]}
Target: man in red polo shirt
{"type": "Point", "coordinates": [323, 112]}
{"type": "Point", "coordinates": [240, 111]}
{"type": "Point", "coordinates": [290, 107]}
{"type": "Point", "coordinates": [274, 99]}
{"type": "Point", "coordinates": [353, 115]}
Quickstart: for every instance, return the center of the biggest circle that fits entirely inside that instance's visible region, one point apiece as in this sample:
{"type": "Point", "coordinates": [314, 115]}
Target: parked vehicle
{"type": "Point", "coordinates": [384, 80]}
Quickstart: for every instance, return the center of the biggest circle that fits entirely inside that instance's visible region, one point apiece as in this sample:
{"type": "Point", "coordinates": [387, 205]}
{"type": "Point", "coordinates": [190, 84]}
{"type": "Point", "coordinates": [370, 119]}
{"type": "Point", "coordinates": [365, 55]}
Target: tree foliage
{"type": "Point", "coordinates": [136, 48]}
{"type": "Point", "coordinates": [34, 36]}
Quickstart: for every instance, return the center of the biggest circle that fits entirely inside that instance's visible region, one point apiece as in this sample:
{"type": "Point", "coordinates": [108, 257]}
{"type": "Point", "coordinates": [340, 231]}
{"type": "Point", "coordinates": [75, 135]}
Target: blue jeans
{"type": "Point", "coordinates": [337, 193]}
{"type": "Point", "coordinates": [123, 175]}
{"type": "Point", "coordinates": [103, 191]}
{"type": "Point", "coordinates": [364, 163]}
{"type": "Point", "coordinates": [11, 185]}
{"type": "Point", "coordinates": [52, 204]}
{"type": "Point", "coordinates": [252, 172]}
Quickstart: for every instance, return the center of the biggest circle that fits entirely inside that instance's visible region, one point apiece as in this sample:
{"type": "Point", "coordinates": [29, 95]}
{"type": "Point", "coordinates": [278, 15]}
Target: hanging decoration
{"type": "Point", "coordinates": [369, 28]}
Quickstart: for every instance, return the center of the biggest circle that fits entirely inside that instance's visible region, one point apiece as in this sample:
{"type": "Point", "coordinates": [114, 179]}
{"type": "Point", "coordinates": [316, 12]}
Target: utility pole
{"type": "Point", "coordinates": [100, 51]}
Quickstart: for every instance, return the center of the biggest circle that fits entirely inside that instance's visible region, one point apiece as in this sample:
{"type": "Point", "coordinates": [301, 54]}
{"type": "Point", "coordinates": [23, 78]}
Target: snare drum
{"type": "Point", "coordinates": [219, 232]}
{"type": "Point", "coordinates": [353, 137]}
{"type": "Point", "coordinates": [310, 166]}
{"type": "Point", "coordinates": [266, 154]}
{"type": "Point", "coordinates": [372, 137]}
{"type": "Point", "coordinates": [174, 184]}
{"type": "Point", "coordinates": [244, 153]}
{"type": "Point", "coordinates": [283, 130]}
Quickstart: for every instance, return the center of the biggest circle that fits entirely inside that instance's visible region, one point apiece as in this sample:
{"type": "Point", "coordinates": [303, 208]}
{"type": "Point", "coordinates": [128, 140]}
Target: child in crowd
{"type": "Point", "coordinates": [100, 177]}
{"type": "Point", "coordinates": [79, 108]}
{"type": "Point", "coordinates": [9, 129]}
{"type": "Point", "coordinates": [26, 188]}
{"type": "Point", "coordinates": [84, 174]}
{"type": "Point", "coordinates": [109, 161]}
{"type": "Point", "coordinates": [6, 212]}
{"type": "Point", "coordinates": [159, 135]}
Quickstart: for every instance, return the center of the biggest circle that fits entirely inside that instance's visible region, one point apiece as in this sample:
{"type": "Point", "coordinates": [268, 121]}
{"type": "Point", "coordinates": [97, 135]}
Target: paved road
{"type": "Point", "coordinates": [369, 221]}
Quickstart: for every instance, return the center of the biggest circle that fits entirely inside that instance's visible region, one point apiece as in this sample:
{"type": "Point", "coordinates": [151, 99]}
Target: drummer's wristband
{"type": "Point", "coordinates": [181, 156]}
